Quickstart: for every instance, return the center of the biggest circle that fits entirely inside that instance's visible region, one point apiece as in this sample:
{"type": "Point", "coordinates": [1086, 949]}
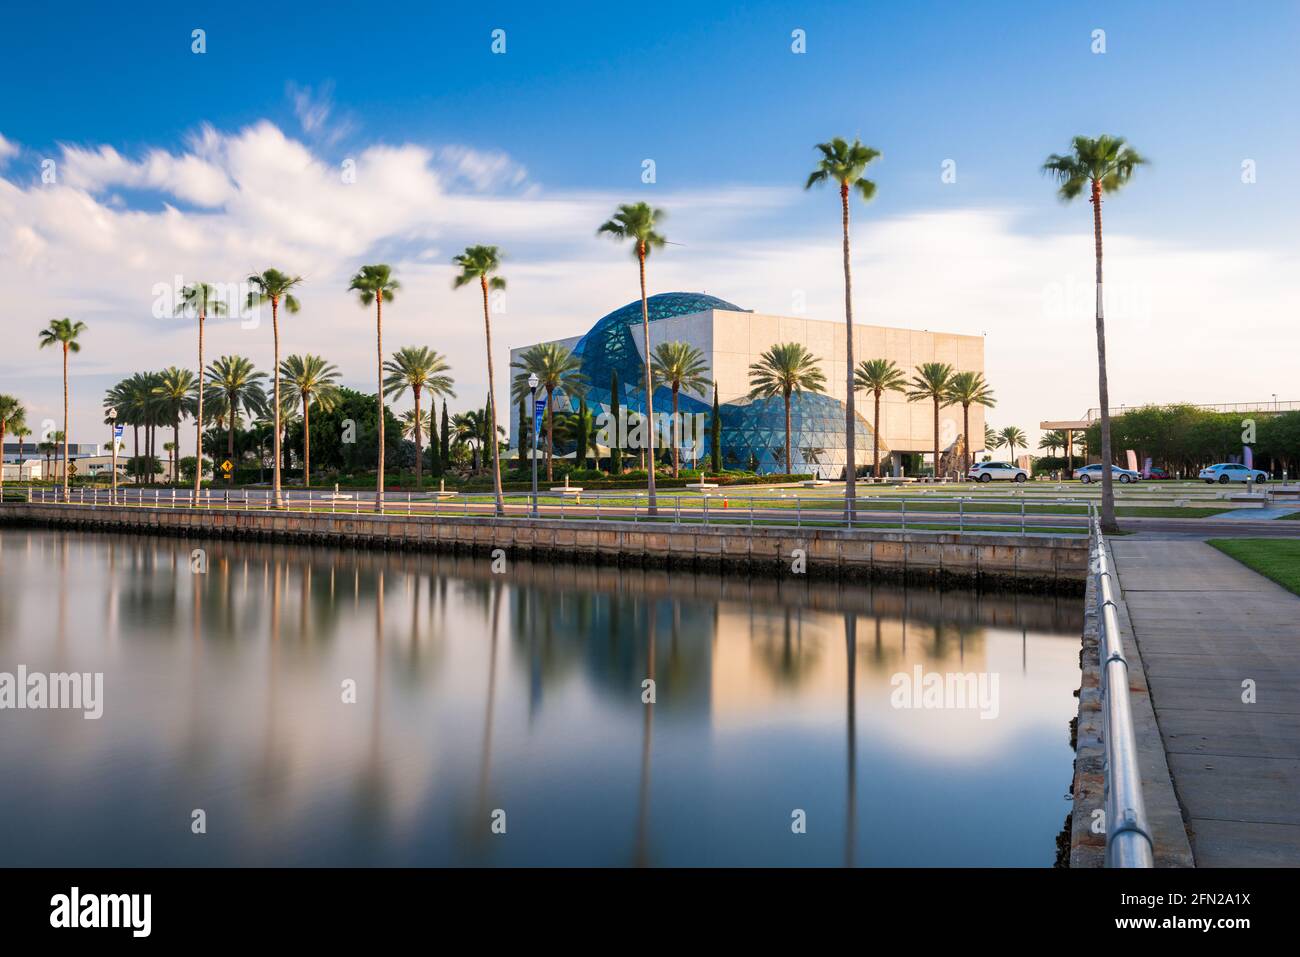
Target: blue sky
{"type": "Point", "coordinates": [717, 99]}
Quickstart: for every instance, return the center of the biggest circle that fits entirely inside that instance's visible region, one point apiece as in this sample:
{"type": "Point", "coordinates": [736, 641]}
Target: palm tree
{"type": "Point", "coordinates": [419, 369]}
{"type": "Point", "coordinates": [173, 397]}
{"type": "Point", "coordinates": [479, 263]}
{"type": "Point", "coordinates": [557, 369]}
{"type": "Point", "coordinates": [21, 431]}
{"type": "Point", "coordinates": [236, 386]}
{"type": "Point", "coordinates": [991, 438]}
{"type": "Point", "coordinates": [274, 287]}
{"type": "Point", "coordinates": [845, 164]}
{"type": "Point", "coordinates": [471, 428]}
{"type": "Point", "coordinates": [201, 300]}
{"type": "Point", "coordinates": [1103, 165]}
{"type": "Point", "coordinates": [12, 415]}
{"type": "Point", "coordinates": [1052, 441]}
{"type": "Point", "coordinates": [783, 370]}
{"type": "Point", "coordinates": [374, 284]}
{"type": "Point", "coordinates": [967, 389]}
{"type": "Point", "coordinates": [931, 381]}
{"type": "Point", "coordinates": [309, 380]}
{"type": "Point", "coordinates": [1013, 439]}
{"type": "Point", "coordinates": [679, 365]}
{"type": "Point", "coordinates": [637, 221]}
{"type": "Point", "coordinates": [65, 333]}
{"type": "Point", "coordinates": [878, 376]}
{"type": "Point", "coordinates": [415, 423]}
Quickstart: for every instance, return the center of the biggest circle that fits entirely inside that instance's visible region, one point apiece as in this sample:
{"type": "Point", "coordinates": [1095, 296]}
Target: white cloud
{"type": "Point", "coordinates": [1195, 324]}
{"type": "Point", "coordinates": [8, 150]}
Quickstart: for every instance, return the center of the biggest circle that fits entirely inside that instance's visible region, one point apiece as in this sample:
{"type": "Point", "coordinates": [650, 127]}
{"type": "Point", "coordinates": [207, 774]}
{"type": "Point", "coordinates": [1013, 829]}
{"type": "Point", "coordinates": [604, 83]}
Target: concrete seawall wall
{"type": "Point", "coordinates": [1047, 563]}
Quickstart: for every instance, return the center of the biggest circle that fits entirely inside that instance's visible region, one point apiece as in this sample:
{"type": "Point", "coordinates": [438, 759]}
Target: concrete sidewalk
{"type": "Point", "coordinates": [1207, 625]}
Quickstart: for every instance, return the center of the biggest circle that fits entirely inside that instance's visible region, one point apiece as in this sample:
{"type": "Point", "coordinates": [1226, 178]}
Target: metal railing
{"type": "Point", "coordinates": [1128, 836]}
{"type": "Point", "coordinates": [981, 512]}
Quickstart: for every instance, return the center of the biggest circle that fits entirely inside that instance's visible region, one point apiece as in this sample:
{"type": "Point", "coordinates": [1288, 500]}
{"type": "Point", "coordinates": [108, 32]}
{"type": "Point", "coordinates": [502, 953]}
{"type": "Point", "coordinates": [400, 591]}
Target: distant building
{"type": "Point", "coordinates": [731, 340]}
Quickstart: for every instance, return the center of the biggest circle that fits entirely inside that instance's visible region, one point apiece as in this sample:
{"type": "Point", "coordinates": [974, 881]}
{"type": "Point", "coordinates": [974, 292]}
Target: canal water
{"type": "Point", "coordinates": [317, 706]}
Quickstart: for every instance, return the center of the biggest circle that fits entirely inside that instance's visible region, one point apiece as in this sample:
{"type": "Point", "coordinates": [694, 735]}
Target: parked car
{"type": "Point", "coordinates": [996, 472]}
{"type": "Point", "coordinates": [1159, 474]}
{"type": "Point", "coordinates": [1092, 473]}
{"type": "Point", "coordinates": [1226, 472]}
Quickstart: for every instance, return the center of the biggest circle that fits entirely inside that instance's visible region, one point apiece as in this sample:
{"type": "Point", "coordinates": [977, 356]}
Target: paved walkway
{"type": "Point", "coordinates": [1205, 624]}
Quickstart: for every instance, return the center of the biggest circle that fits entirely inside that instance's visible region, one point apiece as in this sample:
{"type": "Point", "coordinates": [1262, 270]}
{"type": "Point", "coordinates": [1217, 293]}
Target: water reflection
{"type": "Point", "coordinates": [518, 696]}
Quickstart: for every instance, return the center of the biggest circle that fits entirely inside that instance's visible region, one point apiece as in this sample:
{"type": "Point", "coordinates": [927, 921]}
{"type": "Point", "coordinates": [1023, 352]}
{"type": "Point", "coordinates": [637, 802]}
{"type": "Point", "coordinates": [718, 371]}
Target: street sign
{"type": "Point", "coordinates": [72, 468]}
{"type": "Point", "coordinates": [117, 431]}
{"type": "Point", "coordinates": [228, 467]}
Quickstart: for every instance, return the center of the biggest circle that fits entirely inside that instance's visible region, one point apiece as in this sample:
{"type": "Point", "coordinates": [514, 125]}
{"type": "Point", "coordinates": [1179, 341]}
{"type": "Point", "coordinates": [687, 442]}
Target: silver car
{"type": "Point", "coordinates": [1092, 473]}
{"type": "Point", "coordinates": [1226, 472]}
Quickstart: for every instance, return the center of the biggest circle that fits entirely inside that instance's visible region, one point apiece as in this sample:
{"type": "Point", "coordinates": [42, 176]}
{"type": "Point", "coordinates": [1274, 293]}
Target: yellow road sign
{"type": "Point", "coordinates": [227, 466]}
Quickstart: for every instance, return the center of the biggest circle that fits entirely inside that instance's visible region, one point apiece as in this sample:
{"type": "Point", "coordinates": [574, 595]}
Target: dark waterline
{"type": "Point", "coordinates": [515, 695]}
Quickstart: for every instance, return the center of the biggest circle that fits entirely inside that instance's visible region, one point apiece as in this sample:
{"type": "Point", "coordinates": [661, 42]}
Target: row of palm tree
{"type": "Point", "coordinates": [1098, 166]}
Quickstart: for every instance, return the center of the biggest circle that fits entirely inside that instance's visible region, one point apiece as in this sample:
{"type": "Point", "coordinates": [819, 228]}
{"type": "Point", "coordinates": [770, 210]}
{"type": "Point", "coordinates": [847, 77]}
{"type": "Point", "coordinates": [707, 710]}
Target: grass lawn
{"type": "Point", "coordinates": [1275, 558]}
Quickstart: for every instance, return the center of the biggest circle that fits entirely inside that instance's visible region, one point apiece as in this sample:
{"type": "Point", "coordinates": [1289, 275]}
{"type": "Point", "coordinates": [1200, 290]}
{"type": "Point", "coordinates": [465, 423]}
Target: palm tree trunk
{"type": "Point", "coordinates": [379, 396]}
{"type": "Point", "coordinates": [306, 442]}
{"type": "Point", "coordinates": [1103, 390]}
{"type": "Point", "coordinates": [65, 422]}
{"type": "Point", "coordinates": [275, 398]}
{"type": "Point", "coordinates": [676, 442]}
{"type": "Point", "coordinates": [232, 411]}
{"type": "Point", "coordinates": [875, 439]}
{"type": "Point", "coordinates": [419, 448]}
{"type": "Point", "coordinates": [550, 432]}
{"type": "Point", "coordinates": [787, 431]}
{"type": "Point", "coordinates": [850, 462]}
{"type": "Point", "coordinates": [198, 423]}
{"type": "Point", "coordinates": [649, 388]}
{"type": "Point", "coordinates": [492, 404]}
{"type": "Point", "coordinates": [176, 451]}
{"type": "Point", "coordinates": [965, 431]}
{"type": "Point", "coordinates": [936, 438]}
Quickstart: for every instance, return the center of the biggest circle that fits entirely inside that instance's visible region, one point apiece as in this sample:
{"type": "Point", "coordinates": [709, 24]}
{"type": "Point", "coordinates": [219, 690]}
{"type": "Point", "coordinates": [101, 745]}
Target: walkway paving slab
{"type": "Point", "coordinates": [1204, 623]}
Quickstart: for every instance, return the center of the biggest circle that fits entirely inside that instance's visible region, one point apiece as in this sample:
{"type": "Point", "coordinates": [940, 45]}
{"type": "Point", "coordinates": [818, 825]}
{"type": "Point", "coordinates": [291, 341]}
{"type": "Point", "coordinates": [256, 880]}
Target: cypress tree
{"type": "Point", "coordinates": [580, 456]}
{"type": "Point", "coordinates": [715, 436]}
{"type": "Point", "coordinates": [445, 441]}
{"type": "Point", "coordinates": [525, 434]}
{"type": "Point", "coordinates": [615, 436]}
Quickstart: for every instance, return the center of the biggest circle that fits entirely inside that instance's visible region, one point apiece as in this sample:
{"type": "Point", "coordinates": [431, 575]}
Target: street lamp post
{"type": "Point", "coordinates": [532, 445]}
{"type": "Point", "coordinates": [112, 437]}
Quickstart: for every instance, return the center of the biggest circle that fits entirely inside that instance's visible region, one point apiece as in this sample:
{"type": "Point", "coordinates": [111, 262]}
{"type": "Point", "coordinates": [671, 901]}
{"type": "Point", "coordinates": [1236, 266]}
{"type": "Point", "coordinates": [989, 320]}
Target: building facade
{"type": "Point", "coordinates": [731, 340]}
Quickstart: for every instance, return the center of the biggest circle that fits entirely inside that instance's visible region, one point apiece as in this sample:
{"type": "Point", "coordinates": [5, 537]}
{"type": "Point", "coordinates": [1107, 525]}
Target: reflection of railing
{"type": "Point", "coordinates": [972, 513]}
{"type": "Point", "coordinates": [1115, 410]}
{"type": "Point", "coordinates": [1128, 837]}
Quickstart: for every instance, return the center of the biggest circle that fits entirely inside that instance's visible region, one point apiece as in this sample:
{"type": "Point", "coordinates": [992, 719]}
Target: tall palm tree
{"type": "Point", "coordinates": [12, 415]}
{"type": "Point", "coordinates": [415, 422]}
{"type": "Point", "coordinates": [478, 263]}
{"type": "Point", "coordinates": [1101, 165]}
{"type": "Point", "coordinates": [236, 387]}
{"type": "Point", "coordinates": [375, 284]}
{"type": "Point", "coordinates": [785, 369]}
{"type": "Point", "coordinates": [878, 376]}
{"type": "Point", "coordinates": [967, 389]}
{"type": "Point", "coordinates": [679, 365]}
{"type": "Point", "coordinates": [844, 164]}
{"type": "Point", "coordinates": [419, 369]}
{"type": "Point", "coordinates": [557, 370]}
{"type": "Point", "coordinates": [1013, 439]}
{"type": "Point", "coordinates": [174, 397]}
{"type": "Point", "coordinates": [64, 333]}
{"type": "Point", "coordinates": [309, 381]}
{"type": "Point", "coordinates": [637, 222]}
{"type": "Point", "coordinates": [931, 380]}
{"type": "Point", "coordinates": [274, 287]}
{"type": "Point", "coordinates": [201, 300]}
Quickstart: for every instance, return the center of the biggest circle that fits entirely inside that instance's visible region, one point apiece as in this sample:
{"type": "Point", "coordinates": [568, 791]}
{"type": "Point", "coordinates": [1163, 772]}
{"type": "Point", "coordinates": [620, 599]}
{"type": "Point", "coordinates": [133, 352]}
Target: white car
{"type": "Point", "coordinates": [996, 472]}
{"type": "Point", "coordinates": [1092, 473]}
{"type": "Point", "coordinates": [1226, 472]}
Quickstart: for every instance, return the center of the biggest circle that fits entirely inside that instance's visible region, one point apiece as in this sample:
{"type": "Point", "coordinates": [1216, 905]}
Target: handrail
{"type": "Point", "coordinates": [1128, 836]}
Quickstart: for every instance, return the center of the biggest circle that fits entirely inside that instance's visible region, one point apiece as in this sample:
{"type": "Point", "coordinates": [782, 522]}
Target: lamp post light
{"type": "Point", "coordinates": [532, 445]}
{"type": "Point", "coordinates": [112, 437]}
